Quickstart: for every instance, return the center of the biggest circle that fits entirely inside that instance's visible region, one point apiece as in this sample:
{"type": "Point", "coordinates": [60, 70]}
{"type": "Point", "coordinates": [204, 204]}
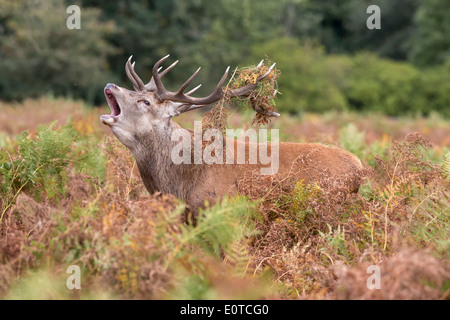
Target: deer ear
{"type": "Point", "coordinates": [150, 86]}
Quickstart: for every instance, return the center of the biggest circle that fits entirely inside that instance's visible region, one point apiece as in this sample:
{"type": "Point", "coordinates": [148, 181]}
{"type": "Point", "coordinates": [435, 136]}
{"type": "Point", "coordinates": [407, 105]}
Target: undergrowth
{"type": "Point", "coordinates": [71, 198]}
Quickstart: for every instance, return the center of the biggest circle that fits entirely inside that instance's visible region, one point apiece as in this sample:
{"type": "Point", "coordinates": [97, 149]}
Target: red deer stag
{"type": "Point", "coordinates": [142, 121]}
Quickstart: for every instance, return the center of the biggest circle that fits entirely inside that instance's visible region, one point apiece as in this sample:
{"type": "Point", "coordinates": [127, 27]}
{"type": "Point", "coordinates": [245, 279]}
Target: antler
{"type": "Point", "coordinates": [137, 83]}
{"type": "Point", "coordinates": [188, 102]}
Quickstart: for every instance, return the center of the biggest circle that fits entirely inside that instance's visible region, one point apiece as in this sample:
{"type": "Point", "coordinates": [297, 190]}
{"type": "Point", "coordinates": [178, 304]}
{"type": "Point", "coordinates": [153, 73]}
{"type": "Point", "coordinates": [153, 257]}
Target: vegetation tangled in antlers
{"type": "Point", "coordinates": [261, 99]}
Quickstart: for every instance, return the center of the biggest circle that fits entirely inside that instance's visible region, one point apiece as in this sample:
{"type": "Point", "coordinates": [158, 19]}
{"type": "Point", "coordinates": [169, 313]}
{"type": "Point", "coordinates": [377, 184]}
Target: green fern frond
{"type": "Point", "coordinates": [221, 225]}
{"type": "Point", "coordinates": [40, 165]}
{"type": "Point", "coordinates": [446, 164]}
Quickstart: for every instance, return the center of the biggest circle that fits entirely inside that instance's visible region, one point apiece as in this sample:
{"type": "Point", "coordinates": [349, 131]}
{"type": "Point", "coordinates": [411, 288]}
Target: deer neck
{"type": "Point", "coordinates": [158, 172]}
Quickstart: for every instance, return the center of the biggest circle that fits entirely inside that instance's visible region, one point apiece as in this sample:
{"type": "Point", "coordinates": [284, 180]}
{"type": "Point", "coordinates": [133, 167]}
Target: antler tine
{"type": "Point", "coordinates": [138, 85]}
{"type": "Point", "coordinates": [130, 75]}
{"type": "Point", "coordinates": [165, 71]}
{"type": "Point", "coordinates": [138, 80]}
{"type": "Point", "coordinates": [188, 82]}
{"type": "Point", "coordinates": [157, 78]}
{"type": "Point", "coordinates": [193, 90]}
{"type": "Point", "coordinates": [266, 112]}
{"type": "Point", "coordinates": [216, 95]}
{"type": "Point", "coordinates": [265, 74]}
{"type": "Point", "coordinates": [224, 77]}
{"type": "Point", "coordinates": [151, 86]}
{"type": "Point", "coordinates": [127, 70]}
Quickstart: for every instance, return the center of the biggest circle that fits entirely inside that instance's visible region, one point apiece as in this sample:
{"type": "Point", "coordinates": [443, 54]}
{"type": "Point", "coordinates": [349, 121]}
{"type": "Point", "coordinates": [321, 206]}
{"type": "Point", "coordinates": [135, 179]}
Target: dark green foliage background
{"type": "Point", "coordinates": [328, 58]}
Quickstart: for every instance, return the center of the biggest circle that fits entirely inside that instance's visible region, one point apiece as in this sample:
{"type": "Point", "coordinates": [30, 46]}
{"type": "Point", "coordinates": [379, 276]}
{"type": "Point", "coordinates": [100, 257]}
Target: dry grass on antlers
{"type": "Point", "coordinates": [263, 97]}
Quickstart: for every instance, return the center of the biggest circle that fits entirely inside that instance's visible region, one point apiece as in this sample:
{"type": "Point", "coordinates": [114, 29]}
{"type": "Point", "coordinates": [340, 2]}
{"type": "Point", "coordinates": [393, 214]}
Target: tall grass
{"type": "Point", "coordinates": [70, 195]}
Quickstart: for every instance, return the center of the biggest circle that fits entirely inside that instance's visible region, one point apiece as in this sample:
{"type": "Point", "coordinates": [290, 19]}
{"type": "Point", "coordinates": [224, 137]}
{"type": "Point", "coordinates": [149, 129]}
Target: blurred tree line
{"type": "Point", "coordinates": [328, 58]}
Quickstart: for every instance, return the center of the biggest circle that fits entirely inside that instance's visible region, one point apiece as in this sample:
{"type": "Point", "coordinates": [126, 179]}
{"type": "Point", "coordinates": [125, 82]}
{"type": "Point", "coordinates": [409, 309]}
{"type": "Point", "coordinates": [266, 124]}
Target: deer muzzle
{"type": "Point", "coordinates": [110, 119]}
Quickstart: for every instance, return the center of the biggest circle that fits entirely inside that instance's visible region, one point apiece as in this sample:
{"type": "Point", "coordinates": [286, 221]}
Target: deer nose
{"type": "Point", "coordinates": [110, 86]}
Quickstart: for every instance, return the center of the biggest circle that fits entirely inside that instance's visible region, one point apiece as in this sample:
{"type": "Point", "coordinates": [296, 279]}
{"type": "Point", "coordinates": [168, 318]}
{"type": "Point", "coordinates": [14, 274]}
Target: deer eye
{"type": "Point", "coordinates": [145, 102]}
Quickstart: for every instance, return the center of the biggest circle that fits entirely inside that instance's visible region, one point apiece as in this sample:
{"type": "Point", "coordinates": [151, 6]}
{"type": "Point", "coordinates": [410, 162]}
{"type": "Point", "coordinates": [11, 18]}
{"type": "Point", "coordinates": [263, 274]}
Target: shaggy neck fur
{"type": "Point", "coordinates": [153, 157]}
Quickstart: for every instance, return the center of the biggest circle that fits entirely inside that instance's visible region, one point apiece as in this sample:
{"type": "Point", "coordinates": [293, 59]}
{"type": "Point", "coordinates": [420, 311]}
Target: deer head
{"type": "Point", "coordinates": [151, 106]}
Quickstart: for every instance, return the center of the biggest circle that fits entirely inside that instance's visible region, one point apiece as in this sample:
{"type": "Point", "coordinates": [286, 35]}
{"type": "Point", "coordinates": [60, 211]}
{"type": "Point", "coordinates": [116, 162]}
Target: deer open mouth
{"type": "Point", "coordinates": [112, 102]}
{"type": "Point", "coordinates": [110, 119]}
